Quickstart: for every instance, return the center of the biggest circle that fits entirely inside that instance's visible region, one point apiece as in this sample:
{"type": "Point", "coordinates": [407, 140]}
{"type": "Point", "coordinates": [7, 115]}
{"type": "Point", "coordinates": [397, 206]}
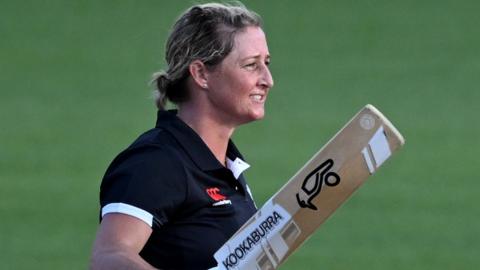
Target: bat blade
{"type": "Point", "coordinates": [327, 180]}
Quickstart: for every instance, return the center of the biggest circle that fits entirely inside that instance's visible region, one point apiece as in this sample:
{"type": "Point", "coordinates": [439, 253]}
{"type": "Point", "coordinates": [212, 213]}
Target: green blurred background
{"type": "Point", "coordinates": [74, 92]}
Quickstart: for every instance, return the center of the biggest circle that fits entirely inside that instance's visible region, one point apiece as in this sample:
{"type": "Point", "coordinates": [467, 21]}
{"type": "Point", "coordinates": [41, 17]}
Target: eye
{"type": "Point", "coordinates": [251, 66]}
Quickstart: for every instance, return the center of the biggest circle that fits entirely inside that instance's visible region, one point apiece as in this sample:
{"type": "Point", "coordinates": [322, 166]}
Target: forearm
{"type": "Point", "coordinates": [118, 260]}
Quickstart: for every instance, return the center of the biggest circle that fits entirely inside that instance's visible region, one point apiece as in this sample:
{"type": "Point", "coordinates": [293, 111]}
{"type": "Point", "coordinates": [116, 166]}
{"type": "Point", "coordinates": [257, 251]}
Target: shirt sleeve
{"type": "Point", "coordinates": [147, 183]}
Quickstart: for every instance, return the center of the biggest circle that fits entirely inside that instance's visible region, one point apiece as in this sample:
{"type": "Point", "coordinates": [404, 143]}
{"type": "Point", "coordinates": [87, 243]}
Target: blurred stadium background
{"type": "Point", "coordinates": [73, 93]}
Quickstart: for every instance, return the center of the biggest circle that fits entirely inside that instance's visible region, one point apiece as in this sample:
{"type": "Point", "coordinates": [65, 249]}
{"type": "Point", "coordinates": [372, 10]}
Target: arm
{"type": "Point", "coordinates": [118, 243]}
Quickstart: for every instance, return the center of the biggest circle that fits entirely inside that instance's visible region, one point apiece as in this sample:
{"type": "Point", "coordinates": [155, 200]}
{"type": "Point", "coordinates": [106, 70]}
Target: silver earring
{"type": "Point", "coordinates": [205, 86]}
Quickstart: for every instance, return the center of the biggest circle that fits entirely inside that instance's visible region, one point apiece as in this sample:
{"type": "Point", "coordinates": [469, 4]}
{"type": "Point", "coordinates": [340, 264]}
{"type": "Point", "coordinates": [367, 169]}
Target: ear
{"type": "Point", "coordinates": [198, 71]}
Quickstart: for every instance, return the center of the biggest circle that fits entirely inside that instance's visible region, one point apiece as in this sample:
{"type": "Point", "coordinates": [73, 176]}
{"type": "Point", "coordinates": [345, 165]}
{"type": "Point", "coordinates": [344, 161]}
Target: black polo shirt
{"type": "Point", "coordinates": [170, 179]}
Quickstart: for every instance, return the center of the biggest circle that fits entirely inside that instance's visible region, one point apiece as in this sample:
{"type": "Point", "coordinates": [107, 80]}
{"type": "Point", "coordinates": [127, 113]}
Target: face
{"type": "Point", "coordinates": [239, 85]}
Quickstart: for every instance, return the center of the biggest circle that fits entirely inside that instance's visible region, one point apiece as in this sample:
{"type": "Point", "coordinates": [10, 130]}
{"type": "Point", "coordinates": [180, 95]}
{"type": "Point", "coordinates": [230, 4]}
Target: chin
{"type": "Point", "coordinates": [252, 116]}
{"type": "Point", "coordinates": [257, 115]}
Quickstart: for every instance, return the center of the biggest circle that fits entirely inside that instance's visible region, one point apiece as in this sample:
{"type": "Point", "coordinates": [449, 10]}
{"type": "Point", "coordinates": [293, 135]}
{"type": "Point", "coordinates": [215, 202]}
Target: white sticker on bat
{"type": "Point", "coordinates": [379, 148]}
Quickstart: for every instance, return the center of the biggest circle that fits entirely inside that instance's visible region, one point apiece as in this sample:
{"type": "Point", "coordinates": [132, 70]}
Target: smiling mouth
{"type": "Point", "coordinates": [258, 98]}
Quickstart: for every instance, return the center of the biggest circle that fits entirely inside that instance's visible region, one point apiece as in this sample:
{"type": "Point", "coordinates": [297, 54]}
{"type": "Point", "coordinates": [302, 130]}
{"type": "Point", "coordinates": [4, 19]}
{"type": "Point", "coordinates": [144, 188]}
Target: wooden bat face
{"type": "Point", "coordinates": [327, 180]}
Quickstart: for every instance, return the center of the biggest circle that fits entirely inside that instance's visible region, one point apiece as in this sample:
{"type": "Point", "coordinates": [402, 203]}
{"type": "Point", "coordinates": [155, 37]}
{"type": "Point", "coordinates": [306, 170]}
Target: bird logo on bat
{"type": "Point", "coordinates": [314, 182]}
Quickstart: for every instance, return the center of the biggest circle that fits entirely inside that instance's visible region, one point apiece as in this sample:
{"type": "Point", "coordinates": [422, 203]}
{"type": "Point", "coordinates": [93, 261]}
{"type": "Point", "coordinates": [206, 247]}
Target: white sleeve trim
{"type": "Point", "coordinates": [130, 210]}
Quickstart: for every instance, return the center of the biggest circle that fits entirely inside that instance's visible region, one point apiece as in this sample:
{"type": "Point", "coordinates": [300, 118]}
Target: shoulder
{"type": "Point", "coordinates": [147, 168]}
{"type": "Point", "coordinates": [150, 163]}
{"type": "Point", "coordinates": [153, 150]}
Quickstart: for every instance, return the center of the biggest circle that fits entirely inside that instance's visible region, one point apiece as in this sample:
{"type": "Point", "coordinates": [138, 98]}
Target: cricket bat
{"type": "Point", "coordinates": [327, 180]}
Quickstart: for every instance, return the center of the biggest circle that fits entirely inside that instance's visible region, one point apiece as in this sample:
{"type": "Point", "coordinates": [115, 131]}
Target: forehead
{"type": "Point", "coordinates": [251, 41]}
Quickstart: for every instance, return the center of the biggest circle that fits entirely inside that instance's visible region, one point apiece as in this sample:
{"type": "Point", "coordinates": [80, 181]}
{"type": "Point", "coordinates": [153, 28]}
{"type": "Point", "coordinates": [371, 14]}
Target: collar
{"type": "Point", "coordinates": [237, 166]}
{"type": "Point", "coordinates": [196, 148]}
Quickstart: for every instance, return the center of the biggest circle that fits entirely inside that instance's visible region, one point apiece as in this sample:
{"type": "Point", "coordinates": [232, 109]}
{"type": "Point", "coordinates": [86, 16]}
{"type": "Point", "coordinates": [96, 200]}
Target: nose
{"type": "Point", "coordinates": [266, 79]}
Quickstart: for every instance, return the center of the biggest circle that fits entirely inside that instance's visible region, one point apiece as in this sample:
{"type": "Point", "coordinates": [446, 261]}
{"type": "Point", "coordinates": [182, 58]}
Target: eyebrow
{"type": "Point", "coordinates": [254, 56]}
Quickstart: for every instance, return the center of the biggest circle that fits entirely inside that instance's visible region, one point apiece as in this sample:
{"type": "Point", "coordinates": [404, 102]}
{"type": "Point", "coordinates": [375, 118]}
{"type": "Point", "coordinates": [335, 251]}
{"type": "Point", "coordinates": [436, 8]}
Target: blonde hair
{"type": "Point", "coordinates": [203, 32]}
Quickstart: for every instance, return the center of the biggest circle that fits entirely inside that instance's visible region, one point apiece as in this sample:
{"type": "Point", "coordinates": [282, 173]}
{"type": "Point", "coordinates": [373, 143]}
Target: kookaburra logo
{"type": "Point", "coordinates": [313, 183]}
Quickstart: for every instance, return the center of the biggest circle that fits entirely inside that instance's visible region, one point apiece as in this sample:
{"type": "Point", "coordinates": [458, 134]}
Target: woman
{"type": "Point", "coordinates": [173, 197]}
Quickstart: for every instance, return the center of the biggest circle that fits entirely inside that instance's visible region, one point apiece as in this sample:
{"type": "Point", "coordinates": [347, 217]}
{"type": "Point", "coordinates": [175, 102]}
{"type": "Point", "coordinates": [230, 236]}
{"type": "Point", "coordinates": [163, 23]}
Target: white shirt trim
{"type": "Point", "coordinates": [251, 196]}
{"type": "Point", "coordinates": [130, 210]}
{"type": "Point", "coordinates": [237, 166]}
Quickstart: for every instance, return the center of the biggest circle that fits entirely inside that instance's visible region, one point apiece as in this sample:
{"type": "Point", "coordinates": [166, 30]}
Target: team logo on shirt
{"type": "Point", "coordinates": [219, 198]}
{"type": "Point", "coordinates": [214, 193]}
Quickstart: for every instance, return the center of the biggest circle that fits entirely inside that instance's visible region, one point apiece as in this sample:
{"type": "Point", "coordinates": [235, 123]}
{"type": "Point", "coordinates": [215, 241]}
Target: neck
{"type": "Point", "coordinates": [213, 132]}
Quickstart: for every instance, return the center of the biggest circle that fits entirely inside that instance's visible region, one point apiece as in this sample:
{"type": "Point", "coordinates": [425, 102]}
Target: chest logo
{"type": "Point", "coordinates": [214, 193]}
